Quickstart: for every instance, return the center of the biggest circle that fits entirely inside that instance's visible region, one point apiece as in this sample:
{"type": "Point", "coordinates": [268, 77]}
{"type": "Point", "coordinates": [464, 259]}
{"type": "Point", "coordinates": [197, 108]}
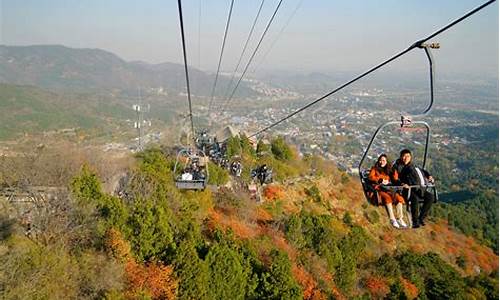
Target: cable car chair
{"type": "Point", "coordinates": [194, 163]}
{"type": "Point", "coordinates": [406, 122]}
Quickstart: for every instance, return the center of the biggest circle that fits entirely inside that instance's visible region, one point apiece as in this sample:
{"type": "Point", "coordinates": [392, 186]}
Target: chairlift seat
{"type": "Point", "coordinates": [190, 184]}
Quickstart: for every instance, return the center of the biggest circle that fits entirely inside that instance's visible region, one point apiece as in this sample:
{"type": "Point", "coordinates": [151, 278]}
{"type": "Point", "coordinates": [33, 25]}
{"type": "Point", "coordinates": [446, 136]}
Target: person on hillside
{"type": "Point", "coordinates": [409, 177]}
{"type": "Point", "coordinates": [382, 175]}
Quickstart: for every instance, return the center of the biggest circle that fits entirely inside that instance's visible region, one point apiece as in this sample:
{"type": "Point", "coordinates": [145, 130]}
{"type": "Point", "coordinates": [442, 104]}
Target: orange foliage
{"type": "Point", "coordinates": [418, 248]}
{"type": "Point", "coordinates": [154, 279]}
{"type": "Point", "coordinates": [388, 237]}
{"type": "Point", "coordinates": [328, 278]}
{"type": "Point", "coordinates": [262, 215]}
{"type": "Point", "coordinates": [116, 245]}
{"type": "Point", "coordinates": [239, 227]}
{"type": "Point", "coordinates": [282, 244]}
{"type": "Point", "coordinates": [377, 286]}
{"type": "Point", "coordinates": [451, 249]}
{"type": "Point", "coordinates": [411, 291]}
{"type": "Point", "coordinates": [306, 281]}
{"type": "Point", "coordinates": [274, 192]}
{"type": "Point", "coordinates": [318, 295]}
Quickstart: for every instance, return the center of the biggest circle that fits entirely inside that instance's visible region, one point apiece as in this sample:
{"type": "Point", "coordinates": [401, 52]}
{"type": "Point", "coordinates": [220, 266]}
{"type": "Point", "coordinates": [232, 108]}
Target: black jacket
{"type": "Point", "coordinates": [410, 176]}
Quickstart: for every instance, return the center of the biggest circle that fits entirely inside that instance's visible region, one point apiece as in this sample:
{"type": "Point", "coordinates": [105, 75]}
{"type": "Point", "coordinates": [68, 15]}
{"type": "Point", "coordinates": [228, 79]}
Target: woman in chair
{"type": "Point", "coordinates": [381, 175]}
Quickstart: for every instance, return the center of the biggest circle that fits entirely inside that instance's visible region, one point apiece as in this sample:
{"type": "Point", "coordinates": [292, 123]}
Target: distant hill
{"type": "Point", "coordinates": [28, 109]}
{"type": "Point", "coordinates": [62, 68]}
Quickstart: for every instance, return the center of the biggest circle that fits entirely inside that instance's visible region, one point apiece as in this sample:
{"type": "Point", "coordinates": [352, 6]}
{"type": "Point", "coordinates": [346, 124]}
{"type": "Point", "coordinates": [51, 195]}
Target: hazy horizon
{"type": "Point", "coordinates": [322, 36]}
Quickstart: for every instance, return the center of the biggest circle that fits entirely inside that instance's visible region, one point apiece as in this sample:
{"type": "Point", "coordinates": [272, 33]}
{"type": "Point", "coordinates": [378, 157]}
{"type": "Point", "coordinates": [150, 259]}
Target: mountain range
{"type": "Point", "coordinates": [56, 67]}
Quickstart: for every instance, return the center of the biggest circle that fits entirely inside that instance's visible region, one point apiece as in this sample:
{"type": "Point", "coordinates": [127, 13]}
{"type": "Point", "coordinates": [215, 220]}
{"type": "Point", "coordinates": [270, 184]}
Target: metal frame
{"type": "Point", "coordinates": [427, 140]}
{"type": "Point", "coordinates": [198, 184]}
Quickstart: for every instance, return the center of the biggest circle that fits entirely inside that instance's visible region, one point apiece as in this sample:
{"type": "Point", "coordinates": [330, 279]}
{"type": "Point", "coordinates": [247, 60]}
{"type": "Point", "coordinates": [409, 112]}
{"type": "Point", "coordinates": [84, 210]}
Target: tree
{"type": "Point", "coordinates": [262, 147]}
{"type": "Point", "coordinates": [228, 272]}
{"type": "Point", "coordinates": [280, 149]}
{"type": "Point", "coordinates": [151, 235]}
{"type": "Point", "coordinates": [246, 146]}
{"type": "Point", "coordinates": [278, 281]}
{"type": "Point", "coordinates": [191, 271]}
{"type": "Point", "coordinates": [233, 146]}
{"type": "Point", "coordinates": [217, 175]}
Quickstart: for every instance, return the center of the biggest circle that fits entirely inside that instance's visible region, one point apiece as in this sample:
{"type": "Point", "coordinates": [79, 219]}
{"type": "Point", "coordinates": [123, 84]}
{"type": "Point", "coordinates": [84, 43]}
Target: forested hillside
{"type": "Point", "coordinates": [313, 237]}
{"type": "Point", "coordinates": [32, 110]}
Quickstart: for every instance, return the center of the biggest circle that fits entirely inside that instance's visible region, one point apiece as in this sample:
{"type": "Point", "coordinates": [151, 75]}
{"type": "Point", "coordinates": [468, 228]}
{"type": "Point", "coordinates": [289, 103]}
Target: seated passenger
{"type": "Point", "coordinates": [262, 174]}
{"type": "Point", "coordinates": [382, 175]}
{"type": "Point", "coordinates": [186, 175]}
{"type": "Point", "coordinates": [239, 169]}
{"type": "Point", "coordinates": [411, 175]}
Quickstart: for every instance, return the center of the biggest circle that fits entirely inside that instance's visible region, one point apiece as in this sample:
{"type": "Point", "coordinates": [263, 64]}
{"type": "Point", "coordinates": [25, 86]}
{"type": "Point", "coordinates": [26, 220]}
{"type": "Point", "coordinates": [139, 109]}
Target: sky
{"type": "Point", "coordinates": [322, 36]}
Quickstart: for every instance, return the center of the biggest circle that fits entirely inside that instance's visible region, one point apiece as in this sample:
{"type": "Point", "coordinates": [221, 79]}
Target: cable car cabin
{"type": "Point", "coordinates": [191, 170]}
{"type": "Point", "coordinates": [369, 187]}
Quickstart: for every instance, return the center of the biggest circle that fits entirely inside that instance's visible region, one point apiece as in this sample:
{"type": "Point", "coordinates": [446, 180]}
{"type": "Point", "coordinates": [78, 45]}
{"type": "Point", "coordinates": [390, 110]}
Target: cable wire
{"type": "Point", "coordinates": [199, 35]}
{"type": "Point", "coordinates": [417, 44]}
{"type": "Point", "coordinates": [251, 57]}
{"type": "Point", "coordinates": [221, 53]}
{"type": "Point", "coordinates": [245, 47]}
{"type": "Point", "coordinates": [262, 60]}
{"type": "Point", "coordinates": [179, 4]}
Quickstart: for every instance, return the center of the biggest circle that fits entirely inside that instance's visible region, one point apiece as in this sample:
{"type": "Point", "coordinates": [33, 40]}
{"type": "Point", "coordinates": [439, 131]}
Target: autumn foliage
{"type": "Point", "coordinates": [410, 290]}
{"type": "Point", "coordinates": [307, 282]}
{"type": "Point", "coordinates": [377, 287]}
{"type": "Point", "coordinates": [274, 192]}
{"type": "Point", "coordinates": [153, 279]}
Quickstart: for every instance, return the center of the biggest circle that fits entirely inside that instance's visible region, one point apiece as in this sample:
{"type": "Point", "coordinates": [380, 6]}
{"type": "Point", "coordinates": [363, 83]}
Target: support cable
{"type": "Point", "coordinates": [221, 53]}
{"type": "Point", "coordinates": [417, 44]}
{"type": "Point", "coordinates": [245, 47]}
{"type": "Point", "coordinates": [263, 59]}
{"type": "Point", "coordinates": [251, 58]}
{"type": "Point", "coordinates": [179, 4]}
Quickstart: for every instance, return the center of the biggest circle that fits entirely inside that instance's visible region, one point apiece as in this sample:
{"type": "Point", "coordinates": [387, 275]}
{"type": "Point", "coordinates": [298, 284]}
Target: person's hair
{"type": "Point", "coordinates": [387, 168]}
{"type": "Point", "coordinates": [404, 151]}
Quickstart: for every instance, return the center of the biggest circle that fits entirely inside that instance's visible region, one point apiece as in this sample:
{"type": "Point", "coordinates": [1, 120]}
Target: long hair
{"type": "Point", "coordinates": [387, 169]}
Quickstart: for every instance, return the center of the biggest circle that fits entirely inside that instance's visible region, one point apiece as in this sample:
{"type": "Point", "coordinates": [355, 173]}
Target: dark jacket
{"type": "Point", "coordinates": [410, 176]}
{"type": "Point", "coordinates": [398, 166]}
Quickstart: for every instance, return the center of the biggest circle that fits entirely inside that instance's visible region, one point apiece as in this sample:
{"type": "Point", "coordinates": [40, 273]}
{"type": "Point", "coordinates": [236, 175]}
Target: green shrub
{"type": "Point", "coordinates": [192, 272]}
{"type": "Point", "coordinates": [280, 149]}
{"type": "Point", "coordinates": [217, 175]}
{"type": "Point", "coordinates": [372, 216]}
{"type": "Point", "coordinates": [228, 271]}
{"type": "Point", "coordinates": [278, 282]}
{"type": "Point", "coordinates": [314, 193]}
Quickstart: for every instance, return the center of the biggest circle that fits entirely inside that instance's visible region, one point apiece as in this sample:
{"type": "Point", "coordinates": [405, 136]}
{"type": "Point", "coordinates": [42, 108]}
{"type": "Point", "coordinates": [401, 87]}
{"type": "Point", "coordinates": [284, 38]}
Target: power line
{"type": "Point", "coordinates": [251, 57]}
{"type": "Point", "coordinates": [221, 53]}
{"type": "Point", "coordinates": [417, 44]}
{"type": "Point", "coordinates": [245, 47]}
{"type": "Point", "coordinates": [179, 4]}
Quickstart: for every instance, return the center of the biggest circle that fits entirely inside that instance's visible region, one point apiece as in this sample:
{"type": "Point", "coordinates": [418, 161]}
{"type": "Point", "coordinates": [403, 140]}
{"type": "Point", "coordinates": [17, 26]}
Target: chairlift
{"type": "Point", "coordinates": [405, 122]}
{"type": "Point", "coordinates": [368, 186]}
{"type": "Point", "coordinates": [191, 169]}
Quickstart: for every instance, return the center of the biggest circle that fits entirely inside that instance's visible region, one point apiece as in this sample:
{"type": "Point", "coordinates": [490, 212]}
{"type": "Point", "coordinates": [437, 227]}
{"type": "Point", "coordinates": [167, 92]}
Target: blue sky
{"type": "Point", "coordinates": [323, 35]}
